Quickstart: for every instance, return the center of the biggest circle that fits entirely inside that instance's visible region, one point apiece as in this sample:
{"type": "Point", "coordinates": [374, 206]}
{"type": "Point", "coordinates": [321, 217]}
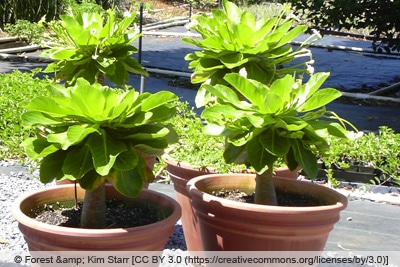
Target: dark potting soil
{"type": "Point", "coordinates": [283, 198]}
{"type": "Point", "coordinates": [119, 214]}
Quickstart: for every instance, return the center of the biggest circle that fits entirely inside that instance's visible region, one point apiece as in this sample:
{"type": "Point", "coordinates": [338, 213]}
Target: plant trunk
{"type": "Point", "coordinates": [94, 208]}
{"type": "Point", "coordinates": [265, 190]}
{"type": "Point", "coordinates": [100, 78]}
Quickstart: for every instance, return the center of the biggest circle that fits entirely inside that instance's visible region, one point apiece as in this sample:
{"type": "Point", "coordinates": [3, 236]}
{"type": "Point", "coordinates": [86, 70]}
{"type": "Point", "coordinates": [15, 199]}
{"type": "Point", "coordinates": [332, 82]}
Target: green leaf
{"type": "Point", "coordinates": [90, 102]}
{"type": "Point", "coordinates": [158, 99]}
{"type": "Point", "coordinates": [274, 143]}
{"type": "Point", "coordinates": [59, 138]}
{"type": "Point", "coordinates": [78, 162]}
{"type": "Point", "coordinates": [234, 154]}
{"type": "Point", "coordinates": [51, 166]}
{"type": "Point", "coordinates": [305, 157]}
{"type": "Point", "coordinates": [149, 135]}
{"type": "Point", "coordinates": [216, 43]}
{"type": "Point", "coordinates": [253, 92]}
{"type": "Point", "coordinates": [34, 118]}
{"type": "Point", "coordinates": [233, 12]}
{"type": "Point", "coordinates": [319, 99]}
{"type": "Point", "coordinates": [273, 104]}
{"type": "Point", "coordinates": [127, 160]}
{"type": "Point", "coordinates": [91, 180]}
{"type": "Point", "coordinates": [222, 112]}
{"type": "Point", "coordinates": [291, 161]}
{"type": "Point", "coordinates": [233, 60]}
{"type": "Point", "coordinates": [258, 156]}
{"type": "Point", "coordinates": [77, 133]}
{"type": "Point", "coordinates": [248, 19]}
{"type": "Point", "coordinates": [47, 106]}
{"type": "Point", "coordinates": [105, 150]}
{"type": "Point", "coordinates": [244, 36]}
{"type": "Point", "coordinates": [312, 85]}
{"type": "Point", "coordinates": [39, 147]}
{"type": "Point", "coordinates": [128, 183]}
{"type": "Point", "coordinates": [292, 34]}
{"type": "Point", "coordinates": [283, 88]}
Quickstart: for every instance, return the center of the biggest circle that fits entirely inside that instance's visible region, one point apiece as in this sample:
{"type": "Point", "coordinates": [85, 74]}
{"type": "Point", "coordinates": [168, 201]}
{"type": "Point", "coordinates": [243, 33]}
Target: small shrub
{"type": "Point", "coordinates": [380, 17]}
{"type": "Point", "coordinates": [378, 150]}
{"type": "Point", "coordinates": [24, 29]}
{"type": "Point", "coordinates": [16, 89]}
{"type": "Point", "coordinates": [84, 6]}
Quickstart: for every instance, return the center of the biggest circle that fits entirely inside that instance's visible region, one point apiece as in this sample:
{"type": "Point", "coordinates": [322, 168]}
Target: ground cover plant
{"type": "Point", "coordinates": [25, 30]}
{"type": "Point", "coordinates": [16, 89]}
{"type": "Point", "coordinates": [380, 151]}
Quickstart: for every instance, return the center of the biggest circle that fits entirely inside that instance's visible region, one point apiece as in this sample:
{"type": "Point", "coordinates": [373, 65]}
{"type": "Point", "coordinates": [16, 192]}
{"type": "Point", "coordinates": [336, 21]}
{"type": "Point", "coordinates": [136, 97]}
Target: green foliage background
{"type": "Point", "coordinates": [33, 10]}
{"type": "Point", "coordinates": [380, 17]}
{"type": "Point", "coordinates": [16, 89]}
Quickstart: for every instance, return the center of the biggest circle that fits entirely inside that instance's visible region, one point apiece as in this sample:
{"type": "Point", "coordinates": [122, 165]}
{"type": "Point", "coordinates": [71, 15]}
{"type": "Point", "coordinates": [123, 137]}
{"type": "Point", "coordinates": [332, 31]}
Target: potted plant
{"type": "Point", "coordinates": [92, 134]}
{"type": "Point", "coordinates": [91, 46]}
{"type": "Point", "coordinates": [94, 46]}
{"type": "Point", "coordinates": [232, 40]}
{"type": "Point", "coordinates": [288, 120]}
{"type": "Point", "coordinates": [194, 154]}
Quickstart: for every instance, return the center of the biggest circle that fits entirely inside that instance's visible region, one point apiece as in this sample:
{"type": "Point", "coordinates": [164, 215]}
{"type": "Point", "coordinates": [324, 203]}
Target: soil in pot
{"type": "Point", "coordinates": [46, 237]}
{"type": "Point", "coordinates": [284, 198]}
{"type": "Point", "coordinates": [119, 213]}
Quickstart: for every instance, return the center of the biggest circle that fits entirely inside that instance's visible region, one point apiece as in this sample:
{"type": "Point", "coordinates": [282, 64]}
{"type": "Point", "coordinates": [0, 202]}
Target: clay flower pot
{"type": "Point", "coordinates": [180, 174]}
{"type": "Point", "coordinates": [233, 226]}
{"type": "Point", "coordinates": [44, 237]}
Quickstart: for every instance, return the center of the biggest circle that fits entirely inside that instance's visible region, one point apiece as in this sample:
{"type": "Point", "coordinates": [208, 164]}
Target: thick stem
{"type": "Point", "coordinates": [94, 208]}
{"type": "Point", "coordinates": [100, 78]}
{"type": "Point", "coordinates": [265, 190]}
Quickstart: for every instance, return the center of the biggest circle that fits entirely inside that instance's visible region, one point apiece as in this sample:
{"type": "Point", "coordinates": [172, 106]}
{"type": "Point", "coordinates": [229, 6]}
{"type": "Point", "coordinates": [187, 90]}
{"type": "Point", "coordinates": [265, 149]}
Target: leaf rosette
{"type": "Point", "coordinates": [93, 133]}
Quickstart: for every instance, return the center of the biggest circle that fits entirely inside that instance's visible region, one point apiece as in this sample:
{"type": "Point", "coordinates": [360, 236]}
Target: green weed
{"type": "Point", "coordinates": [16, 89]}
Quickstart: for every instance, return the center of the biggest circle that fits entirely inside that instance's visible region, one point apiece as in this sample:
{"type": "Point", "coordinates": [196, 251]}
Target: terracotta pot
{"type": "Point", "coordinates": [180, 174]}
{"type": "Point", "coordinates": [232, 226]}
{"type": "Point", "coordinates": [44, 237]}
{"type": "Point", "coordinates": [67, 181]}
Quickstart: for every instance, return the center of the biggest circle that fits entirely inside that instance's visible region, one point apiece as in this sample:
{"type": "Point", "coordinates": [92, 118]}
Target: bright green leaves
{"type": "Point", "coordinates": [105, 151]}
{"type": "Point", "coordinates": [233, 39]}
{"type": "Point", "coordinates": [88, 131]}
{"type": "Point", "coordinates": [259, 158]}
{"type": "Point", "coordinates": [275, 143]}
{"type": "Point", "coordinates": [286, 120]}
{"type": "Point", "coordinates": [78, 162]}
{"type": "Point", "coordinates": [89, 45]}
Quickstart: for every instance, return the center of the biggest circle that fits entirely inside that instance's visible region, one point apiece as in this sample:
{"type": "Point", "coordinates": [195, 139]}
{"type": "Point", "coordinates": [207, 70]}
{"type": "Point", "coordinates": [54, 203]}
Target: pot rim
{"type": "Point", "coordinates": [186, 165]}
{"type": "Point", "coordinates": [203, 196]}
{"type": "Point", "coordinates": [22, 218]}
{"type": "Point", "coordinates": [173, 163]}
